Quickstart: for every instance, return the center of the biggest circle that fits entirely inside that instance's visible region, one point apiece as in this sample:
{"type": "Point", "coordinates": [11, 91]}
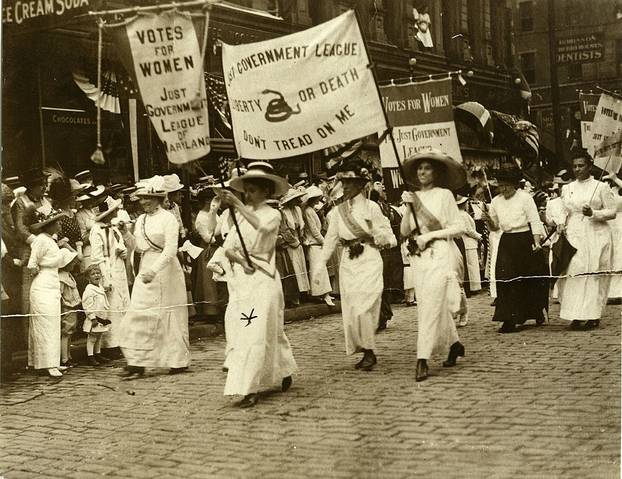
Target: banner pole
{"type": "Point", "coordinates": [387, 123]}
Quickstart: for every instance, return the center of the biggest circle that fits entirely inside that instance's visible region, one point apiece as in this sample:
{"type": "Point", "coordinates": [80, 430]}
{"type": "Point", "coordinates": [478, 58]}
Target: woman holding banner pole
{"type": "Point", "coordinates": [433, 253]}
{"type": "Point", "coordinates": [589, 204]}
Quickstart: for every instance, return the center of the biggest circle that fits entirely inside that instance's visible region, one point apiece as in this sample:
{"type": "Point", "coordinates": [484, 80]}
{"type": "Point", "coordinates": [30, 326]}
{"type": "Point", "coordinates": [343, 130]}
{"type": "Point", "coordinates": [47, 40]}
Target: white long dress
{"type": "Point", "coordinates": [471, 239]}
{"type": "Point", "coordinates": [313, 241]}
{"type": "Point", "coordinates": [360, 278]}
{"type": "Point", "coordinates": [438, 273]}
{"type": "Point", "coordinates": [106, 248]}
{"type": "Point", "coordinates": [44, 324]}
{"type": "Point", "coordinates": [260, 355]}
{"type": "Point", "coordinates": [555, 215]}
{"type": "Point", "coordinates": [154, 332]}
{"type": "Point", "coordinates": [85, 218]}
{"type": "Point", "coordinates": [584, 297]}
{"type": "Point", "coordinates": [615, 287]}
{"type": "Point", "coordinates": [297, 254]}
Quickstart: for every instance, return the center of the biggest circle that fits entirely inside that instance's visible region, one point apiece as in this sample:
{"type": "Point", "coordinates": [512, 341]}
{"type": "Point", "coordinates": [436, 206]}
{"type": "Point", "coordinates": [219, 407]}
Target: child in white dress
{"type": "Point", "coordinates": [96, 306]}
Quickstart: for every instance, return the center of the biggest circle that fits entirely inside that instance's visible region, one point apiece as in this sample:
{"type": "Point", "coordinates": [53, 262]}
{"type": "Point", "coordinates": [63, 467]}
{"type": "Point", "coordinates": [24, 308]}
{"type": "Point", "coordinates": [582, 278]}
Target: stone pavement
{"type": "Point", "coordinates": [542, 403]}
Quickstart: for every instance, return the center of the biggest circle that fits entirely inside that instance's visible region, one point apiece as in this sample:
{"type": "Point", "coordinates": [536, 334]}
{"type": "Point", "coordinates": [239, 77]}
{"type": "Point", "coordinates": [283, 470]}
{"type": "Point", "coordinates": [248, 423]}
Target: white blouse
{"type": "Point", "coordinates": [516, 214]}
{"type": "Point", "coordinates": [162, 229]}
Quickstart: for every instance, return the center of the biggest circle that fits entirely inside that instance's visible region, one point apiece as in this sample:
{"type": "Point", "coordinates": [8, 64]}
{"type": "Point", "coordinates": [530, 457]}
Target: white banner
{"type": "Point", "coordinates": [607, 134]}
{"type": "Point", "coordinates": [169, 71]}
{"type": "Point", "coordinates": [301, 92]}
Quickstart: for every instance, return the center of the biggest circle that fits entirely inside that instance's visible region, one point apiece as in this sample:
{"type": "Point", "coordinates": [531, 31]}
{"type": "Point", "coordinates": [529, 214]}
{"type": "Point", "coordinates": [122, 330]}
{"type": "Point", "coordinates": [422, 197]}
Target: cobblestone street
{"type": "Point", "coordinates": [544, 402]}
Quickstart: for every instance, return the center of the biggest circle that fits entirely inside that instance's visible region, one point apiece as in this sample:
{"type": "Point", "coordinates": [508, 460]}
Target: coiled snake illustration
{"type": "Point", "coordinates": [278, 109]}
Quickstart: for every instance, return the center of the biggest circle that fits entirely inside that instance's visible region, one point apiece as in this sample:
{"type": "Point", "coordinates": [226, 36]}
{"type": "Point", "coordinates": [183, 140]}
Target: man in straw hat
{"type": "Point", "coordinates": [430, 224]}
{"type": "Point", "coordinates": [260, 357]}
{"type": "Point", "coordinates": [109, 252]}
{"type": "Point", "coordinates": [23, 211]}
{"type": "Point", "coordinates": [359, 225]}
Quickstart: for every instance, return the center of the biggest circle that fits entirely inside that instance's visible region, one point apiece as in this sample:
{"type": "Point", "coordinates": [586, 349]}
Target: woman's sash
{"type": "Point", "coordinates": [353, 226]}
{"type": "Point", "coordinates": [424, 216]}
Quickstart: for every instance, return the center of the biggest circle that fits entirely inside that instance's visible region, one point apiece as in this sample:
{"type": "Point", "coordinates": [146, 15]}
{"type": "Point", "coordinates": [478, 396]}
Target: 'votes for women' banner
{"type": "Point", "coordinates": [422, 118]}
{"type": "Point", "coordinates": [166, 61]}
{"type": "Point", "coordinates": [588, 103]}
{"type": "Point", "coordinates": [301, 92]}
{"type": "Point", "coordinates": [607, 134]}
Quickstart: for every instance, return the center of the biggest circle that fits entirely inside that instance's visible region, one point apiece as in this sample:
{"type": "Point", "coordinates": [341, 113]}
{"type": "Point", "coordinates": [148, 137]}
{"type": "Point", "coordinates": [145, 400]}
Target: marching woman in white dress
{"type": "Point", "coordinates": [590, 205]}
{"type": "Point", "coordinates": [313, 241]}
{"type": "Point", "coordinates": [44, 323]}
{"type": "Point", "coordinates": [360, 227]}
{"type": "Point", "coordinates": [434, 255]}
{"type": "Point", "coordinates": [108, 251]}
{"type": "Point", "coordinates": [615, 287]}
{"type": "Point", "coordinates": [260, 356]}
{"type": "Point", "coordinates": [154, 331]}
{"type": "Point", "coordinates": [296, 225]}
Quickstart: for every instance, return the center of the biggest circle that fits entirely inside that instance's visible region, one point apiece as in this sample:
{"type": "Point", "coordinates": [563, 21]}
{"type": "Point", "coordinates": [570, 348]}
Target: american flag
{"type": "Point", "coordinates": [217, 96]}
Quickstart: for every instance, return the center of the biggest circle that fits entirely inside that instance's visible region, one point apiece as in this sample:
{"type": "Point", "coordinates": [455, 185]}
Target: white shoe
{"type": "Point", "coordinates": [463, 321]}
{"type": "Point", "coordinates": [329, 300]}
{"type": "Point", "coordinates": [55, 373]}
{"type": "Point", "coordinates": [62, 368]}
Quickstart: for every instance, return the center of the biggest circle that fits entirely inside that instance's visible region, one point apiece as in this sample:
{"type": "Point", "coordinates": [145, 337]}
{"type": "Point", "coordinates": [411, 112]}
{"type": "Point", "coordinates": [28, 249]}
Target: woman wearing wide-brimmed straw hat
{"type": "Point", "coordinates": [44, 323]}
{"type": "Point", "coordinates": [154, 331]}
{"type": "Point", "coordinates": [434, 255]}
{"type": "Point", "coordinates": [520, 267]}
{"type": "Point", "coordinates": [359, 225]}
{"type": "Point", "coordinates": [313, 241]}
{"type": "Point", "coordinates": [294, 221]}
{"type": "Point", "coordinates": [88, 200]}
{"type": "Point", "coordinates": [109, 252]}
{"type": "Point", "coordinates": [260, 356]}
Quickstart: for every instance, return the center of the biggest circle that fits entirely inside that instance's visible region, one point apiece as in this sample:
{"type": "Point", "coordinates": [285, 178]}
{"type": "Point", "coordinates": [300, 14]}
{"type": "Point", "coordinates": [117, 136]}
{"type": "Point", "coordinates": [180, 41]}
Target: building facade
{"type": "Point", "coordinates": [49, 119]}
{"type": "Point", "coordinates": [587, 45]}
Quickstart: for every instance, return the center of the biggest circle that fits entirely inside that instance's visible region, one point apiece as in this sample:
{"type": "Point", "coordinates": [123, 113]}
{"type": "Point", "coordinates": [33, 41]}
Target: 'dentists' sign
{"type": "Point", "coordinates": [301, 92]}
{"type": "Point", "coordinates": [422, 118]}
{"type": "Point", "coordinates": [168, 68]}
{"type": "Point", "coordinates": [584, 48]}
{"type": "Point", "coordinates": [24, 16]}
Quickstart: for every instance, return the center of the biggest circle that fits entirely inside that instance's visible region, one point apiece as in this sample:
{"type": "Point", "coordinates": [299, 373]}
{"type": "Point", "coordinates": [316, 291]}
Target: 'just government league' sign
{"type": "Point", "coordinates": [301, 92]}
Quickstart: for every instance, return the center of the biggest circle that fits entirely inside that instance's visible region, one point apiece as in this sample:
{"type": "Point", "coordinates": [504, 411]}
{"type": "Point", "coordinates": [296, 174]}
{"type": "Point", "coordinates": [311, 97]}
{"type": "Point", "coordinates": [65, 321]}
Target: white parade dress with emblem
{"type": "Point", "coordinates": [615, 288]}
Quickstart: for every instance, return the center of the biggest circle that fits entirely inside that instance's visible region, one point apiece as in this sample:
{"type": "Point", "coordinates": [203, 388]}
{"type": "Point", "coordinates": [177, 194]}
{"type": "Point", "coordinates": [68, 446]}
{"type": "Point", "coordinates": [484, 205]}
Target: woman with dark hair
{"type": "Point", "coordinates": [521, 268]}
{"type": "Point", "coordinates": [589, 205]}
{"type": "Point", "coordinates": [434, 255]}
{"type": "Point", "coordinates": [260, 357]}
{"type": "Point", "coordinates": [154, 332]}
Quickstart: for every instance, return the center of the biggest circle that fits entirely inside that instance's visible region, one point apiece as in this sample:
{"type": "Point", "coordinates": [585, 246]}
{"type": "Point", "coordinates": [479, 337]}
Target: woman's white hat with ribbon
{"type": "Point", "coordinates": [292, 194]}
{"type": "Point", "coordinates": [461, 199]}
{"type": "Point", "coordinates": [41, 219]}
{"type": "Point", "coordinates": [312, 192]}
{"type": "Point", "coordinates": [153, 187]}
{"type": "Point", "coordinates": [108, 207]}
{"type": "Point", "coordinates": [92, 193]}
{"type": "Point", "coordinates": [452, 174]}
{"type": "Point", "coordinates": [172, 183]}
{"type": "Point", "coordinates": [260, 170]}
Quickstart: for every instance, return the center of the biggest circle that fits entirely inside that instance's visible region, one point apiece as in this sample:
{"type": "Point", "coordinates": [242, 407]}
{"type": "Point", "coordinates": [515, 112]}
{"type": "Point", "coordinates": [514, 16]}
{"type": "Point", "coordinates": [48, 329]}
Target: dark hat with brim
{"type": "Point", "coordinates": [260, 170]}
{"type": "Point", "coordinates": [107, 207]}
{"type": "Point", "coordinates": [452, 174]}
{"type": "Point", "coordinates": [512, 177]}
{"type": "Point", "coordinates": [33, 176]}
{"type": "Point", "coordinates": [93, 193]}
{"type": "Point", "coordinates": [12, 182]}
{"type": "Point", "coordinates": [43, 220]}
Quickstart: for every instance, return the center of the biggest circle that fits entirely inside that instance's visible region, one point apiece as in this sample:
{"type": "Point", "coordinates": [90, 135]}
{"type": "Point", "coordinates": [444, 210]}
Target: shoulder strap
{"type": "Point", "coordinates": [348, 219]}
{"type": "Point", "coordinates": [424, 215]}
{"type": "Point", "coordinates": [151, 243]}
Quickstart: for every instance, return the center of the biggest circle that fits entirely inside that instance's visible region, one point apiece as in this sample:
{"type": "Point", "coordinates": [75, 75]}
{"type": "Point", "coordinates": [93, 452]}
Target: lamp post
{"type": "Point", "coordinates": [412, 62]}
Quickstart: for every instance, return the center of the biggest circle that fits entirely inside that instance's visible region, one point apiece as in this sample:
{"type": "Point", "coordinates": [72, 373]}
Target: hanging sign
{"type": "Point", "coordinates": [301, 92]}
{"type": "Point", "coordinates": [168, 67]}
{"type": "Point", "coordinates": [422, 118]}
{"type": "Point", "coordinates": [21, 16]}
{"type": "Point", "coordinates": [585, 48]}
{"type": "Point", "coordinates": [588, 103]}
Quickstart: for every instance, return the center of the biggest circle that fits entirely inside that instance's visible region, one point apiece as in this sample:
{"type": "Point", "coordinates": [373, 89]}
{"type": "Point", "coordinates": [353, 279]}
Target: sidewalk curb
{"type": "Point", "coordinates": [199, 331]}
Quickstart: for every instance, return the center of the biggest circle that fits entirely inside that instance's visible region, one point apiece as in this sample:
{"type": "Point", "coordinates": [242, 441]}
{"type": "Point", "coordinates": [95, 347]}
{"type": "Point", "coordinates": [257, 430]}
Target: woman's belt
{"type": "Point", "coordinates": [356, 246]}
{"type": "Point", "coordinates": [523, 229]}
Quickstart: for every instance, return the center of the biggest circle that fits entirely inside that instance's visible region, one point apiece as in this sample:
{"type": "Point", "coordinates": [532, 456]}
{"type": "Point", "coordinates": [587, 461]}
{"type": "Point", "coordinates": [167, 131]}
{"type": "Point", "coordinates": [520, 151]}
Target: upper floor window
{"type": "Point", "coordinates": [575, 12]}
{"type": "Point", "coordinates": [525, 16]}
{"type": "Point", "coordinates": [528, 66]}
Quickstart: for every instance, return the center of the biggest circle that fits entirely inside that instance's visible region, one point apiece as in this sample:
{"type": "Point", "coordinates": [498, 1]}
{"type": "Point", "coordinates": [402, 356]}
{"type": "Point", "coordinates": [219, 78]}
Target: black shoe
{"type": "Point", "coordinates": [225, 370]}
{"type": "Point", "coordinates": [249, 400]}
{"type": "Point", "coordinates": [369, 361]}
{"type": "Point", "coordinates": [456, 350]}
{"type": "Point", "coordinates": [102, 359]}
{"type": "Point", "coordinates": [178, 370]}
{"type": "Point", "coordinates": [576, 325]}
{"type": "Point", "coordinates": [92, 361]}
{"type": "Point", "coordinates": [358, 365]}
{"type": "Point", "coordinates": [69, 363]}
{"type": "Point", "coordinates": [286, 384]}
{"type": "Point", "coordinates": [382, 325]}
{"type": "Point", "coordinates": [591, 324]}
{"type": "Point", "coordinates": [422, 370]}
{"type": "Point", "coordinates": [132, 371]}
{"type": "Point", "coordinates": [507, 327]}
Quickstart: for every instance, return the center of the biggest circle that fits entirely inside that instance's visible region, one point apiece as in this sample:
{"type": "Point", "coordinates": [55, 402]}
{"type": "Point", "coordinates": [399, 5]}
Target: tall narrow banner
{"type": "Point", "coordinates": [301, 92]}
{"type": "Point", "coordinates": [168, 68]}
{"type": "Point", "coordinates": [607, 134]}
{"type": "Point", "coordinates": [588, 103]}
{"type": "Point", "coordinates": [422, 118]}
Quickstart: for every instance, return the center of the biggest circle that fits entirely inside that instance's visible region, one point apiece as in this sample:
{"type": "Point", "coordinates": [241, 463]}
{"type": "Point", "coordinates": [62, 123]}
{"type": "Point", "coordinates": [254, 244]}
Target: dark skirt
{"type": "Point", "coordinates": [288, 276]}
{"type": "Point", "coordinates": [466, 281]}
{"type": "Point", "coordinates": [393, 270]}
{"type": "Point", "coordinates": [210, 297]}
{"type": "Point", "coordinates": [520, 299]}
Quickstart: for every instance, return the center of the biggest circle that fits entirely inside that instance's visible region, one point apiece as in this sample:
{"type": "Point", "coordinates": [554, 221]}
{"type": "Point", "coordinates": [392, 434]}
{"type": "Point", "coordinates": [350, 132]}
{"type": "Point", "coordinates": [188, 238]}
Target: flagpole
{"type": "Point", "coordinates": [387, 123]}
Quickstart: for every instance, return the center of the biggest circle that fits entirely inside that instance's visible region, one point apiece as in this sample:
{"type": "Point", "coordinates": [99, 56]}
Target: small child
{"type": "Point", "coordinates": [70, 303]}
{"type": "Point", "coordinates": [95, 304]}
